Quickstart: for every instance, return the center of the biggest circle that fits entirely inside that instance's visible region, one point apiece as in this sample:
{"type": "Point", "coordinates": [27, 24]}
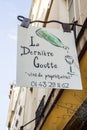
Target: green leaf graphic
{"type": "Point", "coordinates": [50, 38]}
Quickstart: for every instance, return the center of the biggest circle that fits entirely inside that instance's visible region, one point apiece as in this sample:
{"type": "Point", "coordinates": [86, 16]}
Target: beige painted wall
{"type": "Point", "coordinates": [83, 10]}
{"type": "Point", "coordinates": [58, 12]}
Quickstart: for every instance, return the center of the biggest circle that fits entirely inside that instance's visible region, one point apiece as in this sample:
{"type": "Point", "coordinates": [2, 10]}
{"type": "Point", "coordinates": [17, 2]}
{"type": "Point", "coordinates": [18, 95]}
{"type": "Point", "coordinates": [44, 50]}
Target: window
{"type": "Point", "coordinates": [16, 124]}
{"type": "Point", "coordinates": [20, 110]}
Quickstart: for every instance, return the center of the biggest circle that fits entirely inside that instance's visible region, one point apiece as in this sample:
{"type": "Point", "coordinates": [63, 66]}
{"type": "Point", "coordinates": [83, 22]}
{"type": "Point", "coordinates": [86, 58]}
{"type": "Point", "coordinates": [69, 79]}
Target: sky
{"type": "Point", "coordinates": [9, 10]}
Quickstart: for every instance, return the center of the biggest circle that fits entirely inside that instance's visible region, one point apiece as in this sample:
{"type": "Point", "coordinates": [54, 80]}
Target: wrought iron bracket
{"type": "Point", "coordinates": [25, 21]}
{"type": "Point", "coordinates": [66, 26]}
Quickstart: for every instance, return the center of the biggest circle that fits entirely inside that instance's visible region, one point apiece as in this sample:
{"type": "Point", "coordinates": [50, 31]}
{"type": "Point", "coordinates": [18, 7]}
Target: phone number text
{"type": "Point", "coordinates": [49, 84]}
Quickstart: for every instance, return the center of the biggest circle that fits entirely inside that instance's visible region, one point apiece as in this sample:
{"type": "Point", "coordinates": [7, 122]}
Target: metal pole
{"type": "Point", "coordinates": [21, 128]}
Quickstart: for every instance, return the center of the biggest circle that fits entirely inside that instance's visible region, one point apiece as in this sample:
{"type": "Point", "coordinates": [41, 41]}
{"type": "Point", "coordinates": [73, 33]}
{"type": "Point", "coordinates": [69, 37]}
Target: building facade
{"type": "Point", "coordinates": [16, 107]}
{"type": "Point", "coordinates": [54, 109]}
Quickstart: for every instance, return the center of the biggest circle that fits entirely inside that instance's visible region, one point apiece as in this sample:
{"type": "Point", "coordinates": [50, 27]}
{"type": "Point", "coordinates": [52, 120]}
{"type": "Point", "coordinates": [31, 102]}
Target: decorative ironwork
{"type": "Point", "coordinates": [66, 26]}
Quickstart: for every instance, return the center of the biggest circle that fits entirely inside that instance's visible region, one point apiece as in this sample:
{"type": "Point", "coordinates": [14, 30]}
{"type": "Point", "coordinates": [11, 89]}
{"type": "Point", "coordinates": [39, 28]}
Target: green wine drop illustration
{"type": "Point", "coordinates": [51, 38]}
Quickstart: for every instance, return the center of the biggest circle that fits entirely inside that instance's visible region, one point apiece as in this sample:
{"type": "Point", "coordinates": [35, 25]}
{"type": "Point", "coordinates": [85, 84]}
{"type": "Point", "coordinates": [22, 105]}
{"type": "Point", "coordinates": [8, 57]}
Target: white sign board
{"type": "Point", "coordinates": [47, 58]}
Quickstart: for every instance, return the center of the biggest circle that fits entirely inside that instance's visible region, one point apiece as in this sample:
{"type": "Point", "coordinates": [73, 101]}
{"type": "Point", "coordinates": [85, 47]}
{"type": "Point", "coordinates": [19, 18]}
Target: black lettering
{"type": "Point", "coordinates": [46, 65]}
{"type": "Point", "coordinates": [32, 44]}
{"type": "Point", "coordinates": [34, 62]}
{"type": "Point", "coordinates": [32, 41]}
{"type": "Point", "coordinates": [26, 50]}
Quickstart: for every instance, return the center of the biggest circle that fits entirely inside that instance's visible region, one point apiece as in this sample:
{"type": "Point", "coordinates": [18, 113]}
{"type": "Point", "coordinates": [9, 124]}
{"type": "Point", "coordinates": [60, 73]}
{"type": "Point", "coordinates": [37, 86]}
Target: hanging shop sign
{"type": "Point", "coordinates": [47, 58]}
